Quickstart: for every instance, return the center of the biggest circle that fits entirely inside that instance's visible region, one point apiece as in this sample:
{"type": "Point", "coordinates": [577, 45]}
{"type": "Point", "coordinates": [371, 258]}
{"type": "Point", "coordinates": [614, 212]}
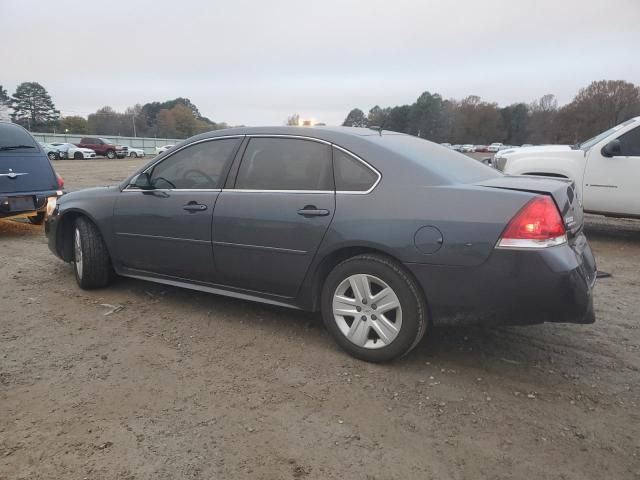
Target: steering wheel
{"type": "Point", "coordinates": [212, 181]}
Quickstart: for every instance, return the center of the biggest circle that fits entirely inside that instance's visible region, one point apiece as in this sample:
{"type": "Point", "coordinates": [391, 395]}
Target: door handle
{"type": "Point", "coordinates": [311, 211]}
{"type": "Point", "coordinates": [194, 207]}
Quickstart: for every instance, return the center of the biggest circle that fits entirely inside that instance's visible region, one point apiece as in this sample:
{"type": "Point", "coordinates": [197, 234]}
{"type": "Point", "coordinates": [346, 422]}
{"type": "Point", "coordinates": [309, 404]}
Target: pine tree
{"type": "Point", "coordinates": [32, 106]}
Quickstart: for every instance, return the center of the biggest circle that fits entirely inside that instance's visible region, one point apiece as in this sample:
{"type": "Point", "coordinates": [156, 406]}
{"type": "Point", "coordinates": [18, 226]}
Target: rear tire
{"type": "Point", "coordinates": [52, 156]}
{"type": "Point", "coordinates": [111, 154]}
{"type": "Point", "coordinates": [37, 219]}
{"type": "Point", "coordinates": [375, 332]}
{"type": "Point", "coordinates": [91, 262]}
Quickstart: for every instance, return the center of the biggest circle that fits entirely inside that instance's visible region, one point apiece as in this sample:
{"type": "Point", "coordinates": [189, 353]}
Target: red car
{"type": "Point", "coordinates": [104, 147]}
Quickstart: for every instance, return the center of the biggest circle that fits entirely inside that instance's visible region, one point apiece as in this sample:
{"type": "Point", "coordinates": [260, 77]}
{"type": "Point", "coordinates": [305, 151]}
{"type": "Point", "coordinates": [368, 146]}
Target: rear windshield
{"type": "Point", "coordinates": [15, 138]}
{"type": "Point", "coordinates": [441, 161]}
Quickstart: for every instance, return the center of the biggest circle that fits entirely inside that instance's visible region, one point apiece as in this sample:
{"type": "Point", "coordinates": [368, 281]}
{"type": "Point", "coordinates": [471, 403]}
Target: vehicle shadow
{"type": "Point", "coordinates": [19, 228]}
{"type": "Point", "coordinates": [602, 228]}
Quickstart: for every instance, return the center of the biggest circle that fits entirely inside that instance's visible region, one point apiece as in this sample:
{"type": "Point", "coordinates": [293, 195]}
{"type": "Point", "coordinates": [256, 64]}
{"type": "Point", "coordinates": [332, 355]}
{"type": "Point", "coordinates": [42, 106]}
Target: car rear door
{"type": "Point", "coordinates": [269, 222]}
{"type": "Point", "coordinates": [611, 184]}
{"type": "Point", "coordinates": [166, 230]}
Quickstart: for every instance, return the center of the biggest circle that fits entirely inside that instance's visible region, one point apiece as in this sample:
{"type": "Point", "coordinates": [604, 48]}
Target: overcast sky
{"type": "Point", "coordinates": [256, 62]}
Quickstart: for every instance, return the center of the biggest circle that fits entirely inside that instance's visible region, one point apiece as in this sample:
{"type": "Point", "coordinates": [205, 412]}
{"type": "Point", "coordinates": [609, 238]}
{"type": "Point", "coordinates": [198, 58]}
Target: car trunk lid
{"type": "Point", "coordinates": [561, 190]}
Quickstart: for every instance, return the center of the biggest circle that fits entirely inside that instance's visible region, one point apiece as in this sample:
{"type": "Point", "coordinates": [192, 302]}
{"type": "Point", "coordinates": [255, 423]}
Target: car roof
{"type": "Point", "coordinates": [323, 132]}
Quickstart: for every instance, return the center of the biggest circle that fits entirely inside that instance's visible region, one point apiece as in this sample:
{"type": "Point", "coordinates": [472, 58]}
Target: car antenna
{"type": "Point", "coordinates": [380, 127]}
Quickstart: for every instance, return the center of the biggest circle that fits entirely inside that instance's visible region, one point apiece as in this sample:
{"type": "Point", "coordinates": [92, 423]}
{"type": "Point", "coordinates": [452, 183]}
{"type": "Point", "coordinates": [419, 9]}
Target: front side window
{"type": "Point", "coordinates": [285, 164]}
{"type": "Point", "coordinates": [351, 174]}
{"type": "Point", "coordinates": [601, 136]}
{"type": "Point", "coordinates": [630, 143]}
{"type": "Point", "coordinates": [200, 166]}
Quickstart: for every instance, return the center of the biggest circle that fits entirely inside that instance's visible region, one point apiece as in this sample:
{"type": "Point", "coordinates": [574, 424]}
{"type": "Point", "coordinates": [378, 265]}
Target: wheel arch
{"type": "Point", "coordinates": [332, 259]}
{"type": "Point", "coordinates": [64, 234]}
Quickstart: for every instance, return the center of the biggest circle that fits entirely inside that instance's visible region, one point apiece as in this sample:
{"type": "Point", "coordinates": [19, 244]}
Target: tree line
{"type": "Point", "coordinates": [595, 108]}
{"type": "Point", "coordinates": [33, 108]}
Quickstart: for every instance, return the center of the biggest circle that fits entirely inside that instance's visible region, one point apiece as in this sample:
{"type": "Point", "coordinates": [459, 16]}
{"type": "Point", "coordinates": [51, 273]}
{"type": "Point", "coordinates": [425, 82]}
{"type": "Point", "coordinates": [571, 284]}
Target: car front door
{"type": "Point", "coordinates": [166, 229]}
{"type": "Point", "coordinates": [268, 225]}
{"type": "Point", "coordinates": [612, 184]}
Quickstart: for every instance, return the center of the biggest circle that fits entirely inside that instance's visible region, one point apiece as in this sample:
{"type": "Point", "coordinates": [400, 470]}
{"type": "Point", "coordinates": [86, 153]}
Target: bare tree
{"type": "Point", "coordinates": [541, 123]}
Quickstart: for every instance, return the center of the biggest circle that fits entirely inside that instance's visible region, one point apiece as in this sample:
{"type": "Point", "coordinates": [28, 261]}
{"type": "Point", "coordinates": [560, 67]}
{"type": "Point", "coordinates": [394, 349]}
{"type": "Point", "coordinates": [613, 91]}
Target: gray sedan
{"type": "Point", "coordinates": [386, 234]}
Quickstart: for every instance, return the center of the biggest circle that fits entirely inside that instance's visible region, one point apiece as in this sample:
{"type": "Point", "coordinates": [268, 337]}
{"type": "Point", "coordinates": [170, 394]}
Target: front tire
{"type": "Point", "coordinates": [78, 156]}
{"type": "Point", "coordinates": [52, 156]}
{"type": "Point", "coordinates": [111, 154]}
{"type": "Point", "coordinates": [91, 262]}
{"type": "Point", "coordinates": [373, 308]}
{"type": "Point", "coordinates": [133, 155]}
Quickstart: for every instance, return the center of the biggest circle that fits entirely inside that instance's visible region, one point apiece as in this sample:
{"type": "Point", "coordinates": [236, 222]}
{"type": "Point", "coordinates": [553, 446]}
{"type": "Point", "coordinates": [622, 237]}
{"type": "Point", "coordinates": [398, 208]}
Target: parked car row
{"type": "Point", "coordinates": [91, 147]}
{"type": "Point", "coordinates": [470, 148]}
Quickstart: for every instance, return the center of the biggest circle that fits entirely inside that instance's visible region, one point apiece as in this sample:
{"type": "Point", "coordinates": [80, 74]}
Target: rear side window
{"type": "Point", "coordinates": [442, 163]}
{"type": "Point", "coordinates": [285, 164]}
{"type": "Point", "coordinates": [199, 166]}
{"type": "Point", "coordinates": [12, 137]}
{"type": "Point", "coordinates": [351, 174]}
{"type": "Point", "coordinates": [630, 143]}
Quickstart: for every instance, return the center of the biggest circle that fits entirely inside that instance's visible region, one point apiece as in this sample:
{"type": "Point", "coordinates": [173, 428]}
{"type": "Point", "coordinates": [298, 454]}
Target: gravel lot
{"type": "Point", "coordinates": [181, 384]}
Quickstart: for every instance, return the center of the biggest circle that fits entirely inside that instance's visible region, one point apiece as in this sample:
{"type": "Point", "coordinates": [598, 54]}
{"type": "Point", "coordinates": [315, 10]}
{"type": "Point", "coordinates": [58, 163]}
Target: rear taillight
{"type": "Point", "coordinates": [537, 225]}
{"type": "Point", "coordinates": [60, 181]}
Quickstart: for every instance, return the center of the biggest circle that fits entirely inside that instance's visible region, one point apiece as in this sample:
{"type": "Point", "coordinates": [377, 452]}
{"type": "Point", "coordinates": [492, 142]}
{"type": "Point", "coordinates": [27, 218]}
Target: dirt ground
{"type": "Point", "coordinates": [181, 384]}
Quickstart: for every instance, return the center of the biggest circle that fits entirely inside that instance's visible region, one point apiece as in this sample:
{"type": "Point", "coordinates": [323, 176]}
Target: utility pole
{"type": "Point", "coordinates": [133, 120]}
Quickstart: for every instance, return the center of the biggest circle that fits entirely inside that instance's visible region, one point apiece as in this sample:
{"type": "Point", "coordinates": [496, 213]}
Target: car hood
{"type": "Point", "coordinates": [85, 150]}
{"type": "Point", "coordinates": [545, 149]}
{"type": "Point", "coordinates": [86, 193]}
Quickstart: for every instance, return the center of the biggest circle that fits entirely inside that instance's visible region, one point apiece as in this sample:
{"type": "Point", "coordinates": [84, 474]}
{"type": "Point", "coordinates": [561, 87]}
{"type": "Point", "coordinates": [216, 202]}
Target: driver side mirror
{"type": "Point", "coordinates": [143, 181]}
{"type": "Point", "coordinates": [612, 149]}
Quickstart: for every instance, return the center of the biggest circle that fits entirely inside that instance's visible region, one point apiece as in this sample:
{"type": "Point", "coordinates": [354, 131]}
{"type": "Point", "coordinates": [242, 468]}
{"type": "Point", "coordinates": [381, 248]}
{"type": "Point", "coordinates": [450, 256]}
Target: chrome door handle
{"type": "Point", "coordinates": [194, 207]}
{"type": "Point", "coordinates": [313, 212]}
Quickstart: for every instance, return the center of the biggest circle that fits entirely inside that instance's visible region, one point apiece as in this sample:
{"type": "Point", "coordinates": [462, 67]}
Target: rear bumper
{"type": "Point", "coordinates": [39, 201]}
{"type": "Point", "coordinates": [514, 287]}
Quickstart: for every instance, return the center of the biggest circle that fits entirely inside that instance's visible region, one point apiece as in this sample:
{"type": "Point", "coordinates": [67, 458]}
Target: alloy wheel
{"type": "Point", "coordinates": [367, 311]}
{"type": "Point", "coordinates": [77, 248]}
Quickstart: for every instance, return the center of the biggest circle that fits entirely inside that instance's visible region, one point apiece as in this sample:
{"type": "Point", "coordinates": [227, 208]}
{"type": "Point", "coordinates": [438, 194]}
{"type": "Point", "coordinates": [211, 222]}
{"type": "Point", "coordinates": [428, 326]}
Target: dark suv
{"type": "Point", "coordinates": [104, 147]}
{"type": "Point", "coordinates": [29, 186]}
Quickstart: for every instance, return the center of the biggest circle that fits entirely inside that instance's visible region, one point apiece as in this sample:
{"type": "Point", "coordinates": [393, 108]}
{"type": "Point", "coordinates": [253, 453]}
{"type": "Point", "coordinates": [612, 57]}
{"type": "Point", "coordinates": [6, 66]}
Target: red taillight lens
{"type": "Point", "coordinates": [60, 181]}
{"type": "Point", "coordinates": [537, 225]}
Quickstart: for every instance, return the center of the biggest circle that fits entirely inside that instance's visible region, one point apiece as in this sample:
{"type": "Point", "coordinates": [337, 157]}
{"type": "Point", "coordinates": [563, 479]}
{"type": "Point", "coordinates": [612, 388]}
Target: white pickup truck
{"type": "Point", "coordinates": [605, 168]}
